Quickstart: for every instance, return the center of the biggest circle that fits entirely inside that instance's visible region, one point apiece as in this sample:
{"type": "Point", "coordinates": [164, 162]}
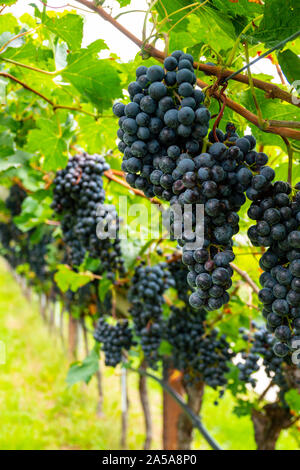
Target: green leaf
{"type": "Point", "coordinates": [280, 20]}
{"type": "Point", "coordinates": [271, 109]}
{"type": "Point", "coordinates": [47, 141]}
{"type": "Point", "coordinates": [292, 397]}
{"type": "Point", "coordinates": [67, 279]}
{"type": "Point", "coordinates": [30, 54]}
{"type": "Point", "coordinates": [15, 160]}
{"type": "Point", "coordinates": [83, 371]}
{"type": "Point", "coordinates": [123, 3]}
{"type": "Point", "coordinates": [103, 287]}
{"type": "Point", "coordinates": [172, 6]}
{"type": "Point", "coordinates": [6, 144]}
{"type": "Point", "coordinates": [35, 211]}
{"type": "Point", "coordinates": [243, 408]}
{"type": "Point", "coordinates": [204, 24]}
{"type": "Point", "coordinates": [165, 348]}
{"type": "Point", "coordinates": [7, 2]}
{"type": "Point", "coordinates": [238, 9]}
{"type": "Point", "coordinates": [96, 79]}
{"type": "Point", "coordinates": [290, 64]}
{"type": "Point", "coordinates": [68, 27]}
{"type": "Point", "coordinates": [8, 23]}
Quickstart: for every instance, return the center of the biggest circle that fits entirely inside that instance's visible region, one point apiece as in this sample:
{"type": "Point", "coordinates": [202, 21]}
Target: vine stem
{"type": "Point", "coordinates": [29, 67]}
{"type": "Point", "coordinates": [144, 398]}
{"type": "Point", "coordinates": [110, 175]}
{"type": "Point", "coordinates": [220, 115]}
{"type": "Point", "coordinates": [177, 256]}
{"type": "Point", "coordinates": [246, 277]}
{"type": "Point", "coordinates": [251, 117]}
{"type": "Point", "coordinates": [290, 163]}
{"type": "Point", "coordinates": [18, 36]}
{"type": "Point", "coordinates": [236, 44]}
{"type": "Point", "coordinates": [168, 16]}
{"type": "Point", "coordinates": [43, 97]}
{"type": "Point", "coordinates": [272, 90]}
{"type": "Point", "coordinates": [252, 89]}
{"type": "Point", "coordinates": [130, 11]}
{"type": "Point", "coordinates": [188, 14]}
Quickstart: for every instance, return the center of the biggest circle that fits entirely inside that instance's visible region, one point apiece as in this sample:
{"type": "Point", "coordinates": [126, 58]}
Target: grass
{"type": "Point", "coordinates": [38, 411]}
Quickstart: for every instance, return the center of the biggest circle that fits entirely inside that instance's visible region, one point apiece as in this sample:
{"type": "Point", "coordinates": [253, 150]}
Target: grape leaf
{"type": "Point", "coordinates": [271, 109]}
{"type": "Point", "coordinates": [290, 64]}
{"type": "Point", "coordinates": [35, 211]}
{"type": "Point", "coordinates": [7, 2]}
{"type": "Point", "coordinates": [28, 53]}
{"type": "Point", "coordinates": [216, 29]}
{"type": "Point", "coordinates": [280, 20]}
{"type": "Point", "coordinates": [98, 140]}
{"type": "Point", "coordinates": [8, 23]}
{"type": "Point", "coordinates": [292, 398]}
{"type": "Point", "coordinates": [170, 7]}
{"type": "Point", "coordinates": [124, 3]}
{"type": "Point", "coordinates": [83, 371]}
{"type": "Point", "coordinates": [96, 79]}
{"type": "Point", "coordinates": [68, 27]}
{"type": "Point", "coordinates": [67, 279]}
{"type": "Point", "coordinates": [103, 287]}
{"type": "Point", "coordinates": [239, 8]}
{"type": "Point", "coordinates": [13, 161]}
{"type": "Point", "coordinates": [6, 144]}
{"type": "Point", "coordinates": [47, 141]}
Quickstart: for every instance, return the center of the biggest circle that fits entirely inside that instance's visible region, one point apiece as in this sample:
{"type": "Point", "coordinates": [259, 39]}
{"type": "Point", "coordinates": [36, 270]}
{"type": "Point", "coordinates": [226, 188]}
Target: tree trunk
{"type": "Point", "coordinates": [146, 408]}
{"type": "Point", "coordinates": [73, 337]}
{"type": "Point", "coordinates": [51, 317]}
{"type": "Point", "coordinates": [100, 413]}
{"type": "Point", "coordinates": [268, 425]}
{"type": "Point", "coordinates": [85, 336]}
{"type": "Point", "coordinates": [269, 422]}
{"type": "Point", "coordinates": [171, 409]}
{"type": "Point", "coordinates": [43, 306]}
{"type": "Point", "coordinates": [124, 406]}
{"type": "Point", "coordinates": [185, 425]}
{"type": "Point", "coordinates": [61, 326]}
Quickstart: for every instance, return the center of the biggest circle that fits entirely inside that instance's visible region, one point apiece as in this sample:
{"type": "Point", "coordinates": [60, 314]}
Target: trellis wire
{"type": "Point", "coordinates": [262, 56]}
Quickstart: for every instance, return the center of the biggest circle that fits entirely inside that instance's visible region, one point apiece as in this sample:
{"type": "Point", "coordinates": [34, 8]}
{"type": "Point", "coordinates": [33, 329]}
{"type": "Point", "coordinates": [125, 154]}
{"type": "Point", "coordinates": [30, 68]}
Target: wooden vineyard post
{"type": "Point", "coordinates": [124, 408]}
{"type": "Point", "coordinates": [144, 397]}
{"type": "Point", "coordinates": [73, 336]}
{"type": "Point", "coordinates": [185, 426]}
{"type": "Point", "coordinates": [171, 410]}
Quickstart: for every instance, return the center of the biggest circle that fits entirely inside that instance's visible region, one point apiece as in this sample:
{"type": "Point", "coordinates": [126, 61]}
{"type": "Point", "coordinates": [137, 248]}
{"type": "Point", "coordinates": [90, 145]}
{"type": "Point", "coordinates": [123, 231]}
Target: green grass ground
{"type": "Point", "coordinates": [38, 411]}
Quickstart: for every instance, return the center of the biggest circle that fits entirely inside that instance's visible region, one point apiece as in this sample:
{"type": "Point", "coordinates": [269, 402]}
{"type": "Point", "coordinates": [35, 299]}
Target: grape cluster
{"type": "Point", "coordinates": [146, 298]}
{"type": "Point", "coordinates": [172, 162]}
{"type": "Point", "coordinates": [179, 273]}
{"type": "Point", "coordinates": [222, 179]}
{"type": "Point", "coordinates": [277, 214]}
{"type": "Point", "coordinates": [226, 174]}
{"type": "Point", "coordinates": [202, 356]}
{"type": "Point", "coordinates": [15, 199]}
{"type": "Point", "coordinates": [37, 254]}
{"type": "Point", "coordinates": [162, 128]}
{"type": "Point", "coordinates": [262, 343]}
{"type": "Point", "coordinates": [13, 244]}
{"type": "Point", "coordinates": [79, 196]}
{"type": "Point", "coordinates": [114, 339]}
{"type": "Point", "coordinates": [13, 241]}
